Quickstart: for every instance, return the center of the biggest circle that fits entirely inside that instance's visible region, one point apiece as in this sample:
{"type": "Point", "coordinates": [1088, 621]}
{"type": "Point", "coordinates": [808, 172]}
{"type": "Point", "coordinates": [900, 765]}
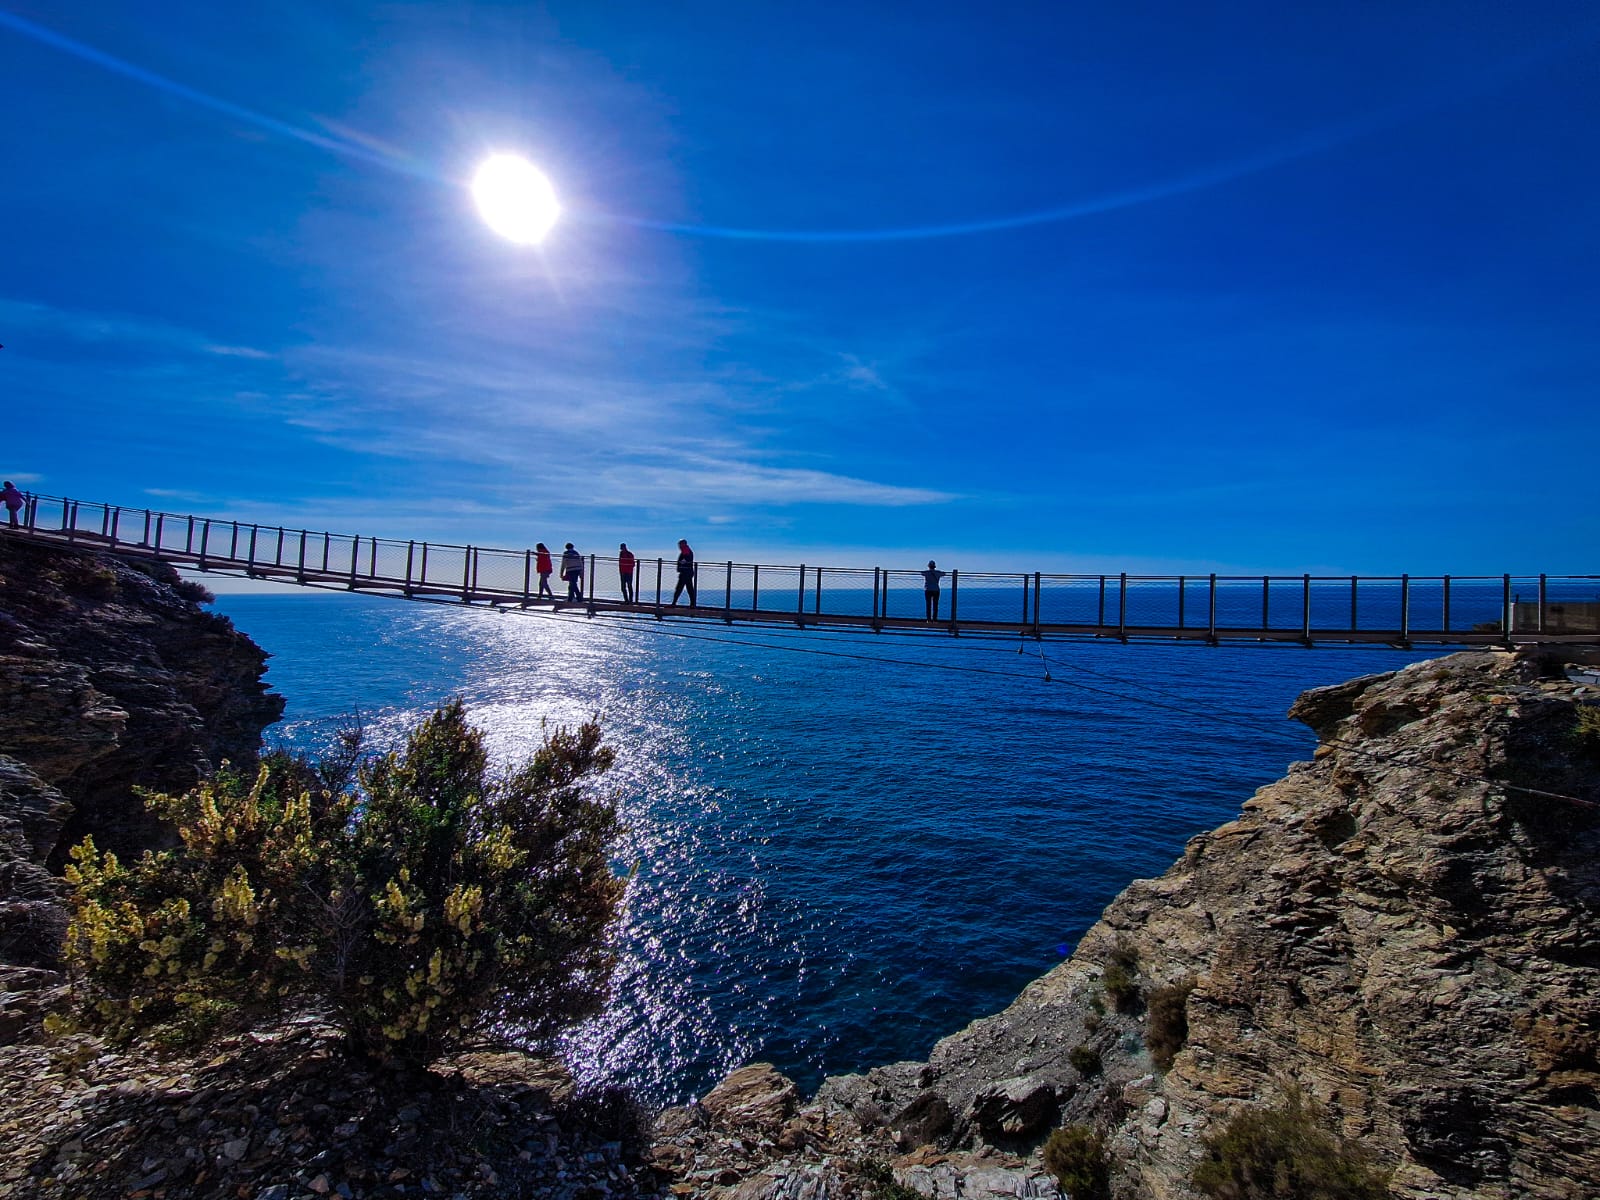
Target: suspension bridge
{"type": "Point", "coordinates": [1401, 611]}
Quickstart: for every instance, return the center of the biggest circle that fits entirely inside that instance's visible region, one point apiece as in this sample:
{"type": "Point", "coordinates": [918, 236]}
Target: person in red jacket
{"type": "Point", "coordinates": [625, 564]}
{"type": "Point", "coordinates": [544, 566]}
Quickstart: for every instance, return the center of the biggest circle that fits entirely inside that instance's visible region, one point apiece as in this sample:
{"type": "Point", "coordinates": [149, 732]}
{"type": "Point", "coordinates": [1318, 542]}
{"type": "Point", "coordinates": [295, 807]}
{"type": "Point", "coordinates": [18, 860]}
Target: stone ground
{"type": "Point", "coordinates": [285, 1114]}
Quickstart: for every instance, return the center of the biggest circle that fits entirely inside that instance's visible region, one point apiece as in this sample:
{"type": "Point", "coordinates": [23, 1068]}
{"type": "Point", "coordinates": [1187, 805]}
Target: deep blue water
{"type": "Point", "coordinates": [840, 859]}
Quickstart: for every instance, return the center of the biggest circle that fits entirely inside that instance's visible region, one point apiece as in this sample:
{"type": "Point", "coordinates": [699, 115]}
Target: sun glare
{"type": "Point", "coordinates": [515, 199]}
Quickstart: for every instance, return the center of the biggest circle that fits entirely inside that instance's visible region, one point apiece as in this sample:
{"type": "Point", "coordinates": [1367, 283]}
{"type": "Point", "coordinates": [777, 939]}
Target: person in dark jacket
{"type": "Point", "coordinates": [685, 572]}
{"type": "Point", "coordinates": [13, 500]}
{"type": "Point", "coordinates": [572, 572]}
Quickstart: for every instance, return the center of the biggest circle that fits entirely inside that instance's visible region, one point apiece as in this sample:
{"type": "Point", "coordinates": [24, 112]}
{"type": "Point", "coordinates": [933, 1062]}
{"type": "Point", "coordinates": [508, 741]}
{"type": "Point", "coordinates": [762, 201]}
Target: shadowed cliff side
{"type": "Point", "coordinates": [1404, 929]}
{"type": "Point", "coordinates": [111, 675]}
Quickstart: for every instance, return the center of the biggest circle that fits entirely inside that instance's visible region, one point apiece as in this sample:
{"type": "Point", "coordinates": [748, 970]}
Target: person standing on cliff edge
{"type": "Point", "coordinates": [930, 589]}
{"type": "Point", "coordinates": [685, 572]}
{"type": "Point", "coordinates": [625, 564]}
{"type": "Point", "coordinates": [14, 500]}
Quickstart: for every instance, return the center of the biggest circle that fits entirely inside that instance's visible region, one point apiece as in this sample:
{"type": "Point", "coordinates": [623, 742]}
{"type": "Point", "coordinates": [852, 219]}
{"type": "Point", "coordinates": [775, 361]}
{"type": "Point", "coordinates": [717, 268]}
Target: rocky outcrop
{"type": "Point", "coordinates": [1403, 929]}
{"type": "Point", "coordinates": [111, 677]}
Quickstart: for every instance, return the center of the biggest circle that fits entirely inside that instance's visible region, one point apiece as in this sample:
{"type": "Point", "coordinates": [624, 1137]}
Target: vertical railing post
{"type": "Point", "coordinates": [1543, 607]}
{"type": "Point", "coordinates": [1305, 610]}
{"type": "Point", "coordinates": [277, 559]}
{"type": "Point", "coordinates": [594, 584]}
{"type": "Point", "coordinates": [372, 557]}
{"type": "Point", "coordinates": [466, 576]}
{"type": "Point", "coordinates": [355, 560]}
{"type": "Point", "coordinates": [105, 519]}
{"type": "Point", "coordinates": [1446, 629]}
{"type": "Point", "coordinates": [658, 589]}
{"type": "Point", "coordinates": [1102, 621]}
{"type": "Point", "coordinates": [188, 535]}
{"type": "Point", "coordinates": [160, 519]}
{"type": "Point", "coordinates": [422, 571]}
{"type": "Point", "coordinates": [1037, 584]}
{"type": "Point", "coordinates": [145, 541]}
{"type": "Point", "coordinates": [233, 544]}
{"type": "Point", "coordinates": [1508, 617]}
{"type": "Point", "coordinates": [1266, 596]}
{"type": "Point", "coordinates": [755, 586]}
{"type": "Point", "coordinates": [1405, 610]}
{"type": "Point", "coordinates": [955, 584]}
{"type": "Point", "coordinates": [1122, 606]}
{"type": "Point", "coordinates": [69, 519]}
{"type": "Point", "coordinates": [300, 570]}
{"type": "Point", "coordinates": [205, 540]}
{"type": "Point", "coordinates": [1024, 625]}
{"type": "Point", "coordinates": [411, 552]}
{"type": "Point", "coordinates": [1355, 593]}
{"type": "Point", "coordinates": [527, 574]}
{"type": "Point", "coordinates": [1183, 596]}
{"type": "Point", "coordinates": [250, 566]}
{"type": "Point", "coordinates": [727, 595]}
{"type": "Point", "coordinates": [1211, 616]}
{"type": "Point", "coordinates": [327, 544]}
{"type": "Point", "coordinates": [817, 606]}
{"type": "Point", "coordinates": [876, 583]}
{"type": "Point", "coordinates": [800, 601]}
{"type": "Point", "coordinates": [116, 519]}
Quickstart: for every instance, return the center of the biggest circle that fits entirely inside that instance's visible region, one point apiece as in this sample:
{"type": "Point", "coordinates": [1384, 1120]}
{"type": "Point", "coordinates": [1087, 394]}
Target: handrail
{"type": "Point", "coordinates": [1302, 607]}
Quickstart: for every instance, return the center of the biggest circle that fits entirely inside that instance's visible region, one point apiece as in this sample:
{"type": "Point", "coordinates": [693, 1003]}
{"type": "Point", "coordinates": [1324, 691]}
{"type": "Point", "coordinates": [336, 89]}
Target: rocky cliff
{"type": "Point", "coordinates": [1403, 929]}
{"type": "Point", "coordinates": [111, 676]}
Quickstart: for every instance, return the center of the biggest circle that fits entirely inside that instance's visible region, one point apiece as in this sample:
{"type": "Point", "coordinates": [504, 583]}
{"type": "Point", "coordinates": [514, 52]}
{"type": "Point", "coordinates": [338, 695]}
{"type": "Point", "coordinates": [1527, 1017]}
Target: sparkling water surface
{"type": "Point", "coordinates": [839, 859]}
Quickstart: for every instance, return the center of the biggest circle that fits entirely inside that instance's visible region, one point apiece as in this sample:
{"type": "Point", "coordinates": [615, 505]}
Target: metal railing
{"type": "Point", "coordinates": [1304, 608]}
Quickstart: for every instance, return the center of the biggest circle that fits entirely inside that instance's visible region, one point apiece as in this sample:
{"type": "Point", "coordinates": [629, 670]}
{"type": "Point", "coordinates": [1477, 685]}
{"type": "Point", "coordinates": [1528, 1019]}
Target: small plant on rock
{"type": "Point", "coordinates": [1076, 1156]}
{"type": "Point", "coordinates": [1269, 1154]}
{"type": "Point", "coordinates": [1085, 1060]}
{"type": "Point", "coordinates": [1167, 1027]}
{"type": "Point", "coordinates": [433, 909]}
{"type": "Point", "coordinates": [1119, 974]}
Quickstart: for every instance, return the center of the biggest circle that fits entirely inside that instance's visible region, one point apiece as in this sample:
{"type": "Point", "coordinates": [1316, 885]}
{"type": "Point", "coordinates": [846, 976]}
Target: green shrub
{"type": "Point", "coordinates": [1085, 1060]}
{"type": "Point", "coordinates": [1286, 1152]}
{"type": "Point", "coordinates": [1122, 966]}
{"type": "Point", "coordinates": [1167, 1024]}
{"type": "Point", "coordinates": [1076, 1156]}
{"type": "Point", "coordinates": [436, 907]}
{"type": "Point", "coordinates": [879, 1181]}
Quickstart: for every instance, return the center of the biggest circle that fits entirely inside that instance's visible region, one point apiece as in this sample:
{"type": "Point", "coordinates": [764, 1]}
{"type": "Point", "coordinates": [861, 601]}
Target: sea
{"type": "Point", "coordinates": [844, 846]}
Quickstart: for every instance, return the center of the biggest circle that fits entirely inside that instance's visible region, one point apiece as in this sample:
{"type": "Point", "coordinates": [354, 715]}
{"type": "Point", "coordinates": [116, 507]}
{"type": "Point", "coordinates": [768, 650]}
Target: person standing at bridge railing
{"type": "Point", "coordinates": [544, 566]}
{"type": "Point", "coordinates": [14, 500]}
{"type": "Point", "coordinates": [685, 572]}
{"type": "Point", "coordinates": [930, 589]}
{"type": "Point", "coordinates": [625, 564]}
{"type": "Point", "coordinates": [572, 572]}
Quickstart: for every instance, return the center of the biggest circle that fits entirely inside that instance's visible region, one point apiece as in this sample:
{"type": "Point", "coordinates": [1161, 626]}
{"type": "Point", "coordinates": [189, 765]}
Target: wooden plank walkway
{"type": "Point", "coordinates": [1303, 610]}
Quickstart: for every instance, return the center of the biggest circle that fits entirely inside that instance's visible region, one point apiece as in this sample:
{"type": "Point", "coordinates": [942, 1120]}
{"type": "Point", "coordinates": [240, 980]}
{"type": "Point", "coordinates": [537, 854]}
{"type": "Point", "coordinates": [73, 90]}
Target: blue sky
{"type": "Point", "coordinates": [1134, 286]}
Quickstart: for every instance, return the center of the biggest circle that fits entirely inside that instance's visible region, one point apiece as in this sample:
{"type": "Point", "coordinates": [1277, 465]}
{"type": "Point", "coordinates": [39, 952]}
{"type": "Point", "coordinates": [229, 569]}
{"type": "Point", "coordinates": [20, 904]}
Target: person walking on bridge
{"type": "Point", "coordinates": [572, 572]}
{"type": "Point", "coordinates": [13, 501]}
{"type": "Point", "coordinates": [625, 565]}
{"type": "Point", "coordinates": [685, 572]}
{"type": "Point", "coordinates": [930, 589]}
{"type": "Point", "coordinates": [544, 566]}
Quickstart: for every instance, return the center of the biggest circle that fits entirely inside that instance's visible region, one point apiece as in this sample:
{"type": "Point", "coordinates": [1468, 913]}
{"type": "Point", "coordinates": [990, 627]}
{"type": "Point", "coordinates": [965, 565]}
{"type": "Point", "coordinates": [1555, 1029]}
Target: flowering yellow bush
{"type": "Point", "coordinates": [433, 907]}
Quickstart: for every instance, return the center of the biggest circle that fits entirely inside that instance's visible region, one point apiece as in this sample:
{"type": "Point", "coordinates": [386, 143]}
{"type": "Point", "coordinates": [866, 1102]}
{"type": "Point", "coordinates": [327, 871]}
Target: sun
{"type": "Point", "coordinates": [515, 199]}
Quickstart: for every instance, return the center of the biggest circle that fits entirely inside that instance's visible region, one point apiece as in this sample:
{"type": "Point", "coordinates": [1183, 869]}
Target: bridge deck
{"type": "Point", "coordinates": [1383, 611]}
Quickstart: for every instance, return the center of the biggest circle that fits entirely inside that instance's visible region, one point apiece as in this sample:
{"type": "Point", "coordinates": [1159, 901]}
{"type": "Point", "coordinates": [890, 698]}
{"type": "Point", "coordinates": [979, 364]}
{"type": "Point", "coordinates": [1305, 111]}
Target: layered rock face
{"type": "Point", "coordinates": [1404, 929]}
{"type": "Point", "coordinates": [110, 676]}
